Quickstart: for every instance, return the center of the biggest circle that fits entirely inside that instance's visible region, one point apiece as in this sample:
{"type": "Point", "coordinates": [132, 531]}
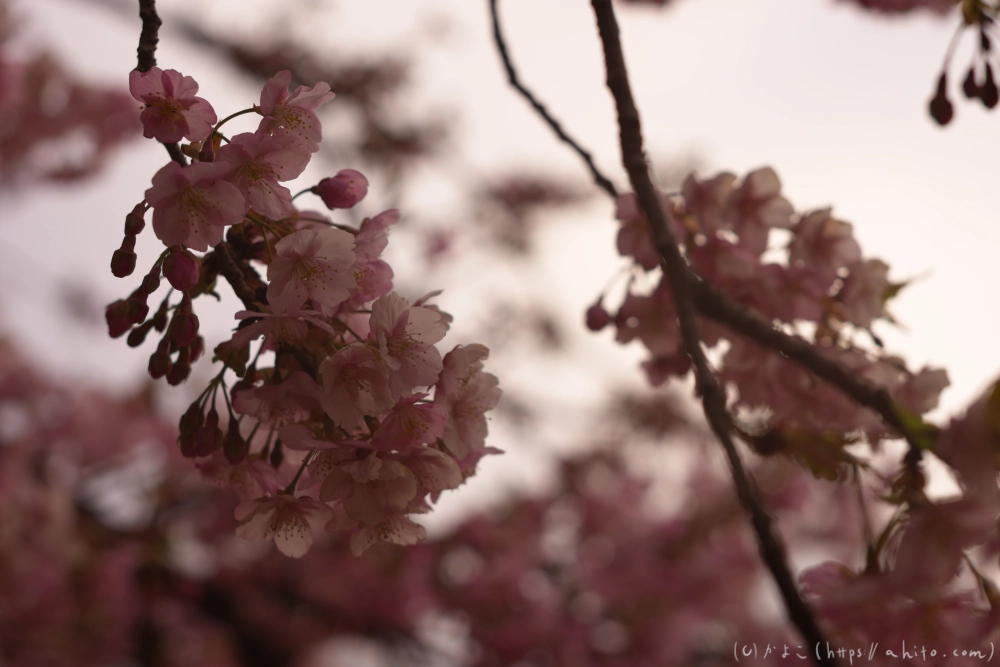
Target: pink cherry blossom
{"type": "Point", "coordinates": [260, 161]}
{"type": "Point", "coordinates": [289, 327]}
{"type": "Point", "coordinates": [756, 207]}
{"type": "Point", "coordinates": [394, 529]}
{"type": "Point", "coordinates": [434, 470]}
{"type": "Point", "coordinates": [370, 489]}
{"type": "Point", "coordinates": [311, 264]}
{"type": "Point", "coordinates": [290, 401]}
{"type": "Point", "coordinates": [635, 238]}
{"type": "Point", "coordinates": [284, 518]}
{"type": "Point", "coordinates": [466, 393]}
{"type": "Point", "coordinates": [172, 111]}
{"type": "Point", "coordinates": [192, 204]}
{"type": "Point", "coordinates": [405, 337]}
{"type": "Point", "coordinates": [355, 384]}
{"type": "Point", "coordinates": [705, 201]}
{"type": "Point", "coordinates": [410, 424]}
{"type": "Point", "coordinates": [252, 478]}
{"type": "Point", "coordinates": [823, 245]}
{"type": "Point", "coordinates": [860, 301]}
{"type": "Point", "coordinates": [293, 115]}
{"type": "Point", "coordinates": [373, 275]}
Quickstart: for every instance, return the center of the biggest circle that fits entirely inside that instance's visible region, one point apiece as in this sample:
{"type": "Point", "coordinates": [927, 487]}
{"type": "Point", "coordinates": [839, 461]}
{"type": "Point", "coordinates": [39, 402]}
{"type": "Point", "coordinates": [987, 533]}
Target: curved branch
{"type": "Point", "coordinates": [602, 181]}
{"type": "Point", "coordinates": [683, 285]}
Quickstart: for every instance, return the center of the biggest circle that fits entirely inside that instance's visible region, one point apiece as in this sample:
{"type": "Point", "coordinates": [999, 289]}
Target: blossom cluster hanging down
{"type": "Point", "coordinates": [360, 421]}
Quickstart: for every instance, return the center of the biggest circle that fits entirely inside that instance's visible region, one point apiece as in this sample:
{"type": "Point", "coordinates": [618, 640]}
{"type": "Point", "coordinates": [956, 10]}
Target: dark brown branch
{"type": "Point", "coordinates": [150, 35]}
{"type": "Point", "coordinates": [148, 39]}
{"type": "Point", "coordinates": [237, 276]}
{"type": "Point", "coordinates": [683, 283]}
{"type": "Point", "coordinates": [713, 304]}
{"type": "Point", "coordinates": [602, 181]}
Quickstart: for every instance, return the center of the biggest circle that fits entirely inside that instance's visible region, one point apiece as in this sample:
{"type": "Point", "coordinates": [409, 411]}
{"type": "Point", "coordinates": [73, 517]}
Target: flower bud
{"type": "Point", "coordinates": [277, 454]}
{"type": "Point", "coordinates": [118, 321]}
{"type": "Point", "coordinates": [969, 85]}
{"type": "Point", "coordinates": [136, 308]}
{"type": "Point", "coordinates": [188, 446]}
{"type": "Point", "coordinates": [160, 319]}
{"type": "Point", "coordinates": [181, 368]}
{"type": "Point", "coordinates": [123, 259]}
{"type": "Point", "coordinates": [989, 94]}
{"type": "Point", "coordinates": [941, 109]}
{"type": "Point", "coordinates": [184, 328]}
{"type": "Point", "coordinates": [597, 317]}
{"type": "Point", "coordinates": [197, 348]}
{"type": "Point", "coordinates": [159, 365]}
{"type": "Point", "coordinates": [209, 437]}
{"type": "Point", "coordinates": [137, 336]}
{"type": "Point", "coordinates": [182, 269]}
{"type": "Point", "coordinates": [207, 153]}
{"type": "Point", "coordinates": [344, 190]}
{"type": "Point", "coordinates": [151, 281]}
{"type": "Point", "coordinates": [134, 221]}
{"type": "Point", "coordinates": [192, 419]}
{"type": "Point", "coordinates": [234, 447]}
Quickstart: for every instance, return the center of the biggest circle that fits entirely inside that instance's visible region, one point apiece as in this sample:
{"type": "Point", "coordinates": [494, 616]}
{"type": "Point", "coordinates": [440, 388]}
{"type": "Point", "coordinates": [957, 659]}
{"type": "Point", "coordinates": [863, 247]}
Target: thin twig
{"type": "Point", "coordinates": [682, 283]}
{"type": "Point", "coordinates": [602, 181]}
{"type": "Point", "coordinates": [148, 39]}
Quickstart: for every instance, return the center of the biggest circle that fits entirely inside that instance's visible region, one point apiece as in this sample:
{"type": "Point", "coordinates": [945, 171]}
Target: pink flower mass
{"type": "Point", "coordinates": [172, 110]}
{"type": "Point", "coordinates": [259, 162]}
{"type": "Point", "coordinates": [311, 265]}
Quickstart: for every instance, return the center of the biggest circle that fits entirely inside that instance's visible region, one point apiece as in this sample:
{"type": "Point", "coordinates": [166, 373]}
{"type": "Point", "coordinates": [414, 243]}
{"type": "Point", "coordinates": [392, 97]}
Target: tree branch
{"type": "Point", "coordinates": [148, 39]}
{"type": "Point", "coordinates": [683, 284]}
{"type": "Point", "coordinates": [602, 181]}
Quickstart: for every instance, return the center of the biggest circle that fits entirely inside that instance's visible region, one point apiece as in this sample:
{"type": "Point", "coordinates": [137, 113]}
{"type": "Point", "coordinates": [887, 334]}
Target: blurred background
{"type": "Point", "coordinates": [501, 216]}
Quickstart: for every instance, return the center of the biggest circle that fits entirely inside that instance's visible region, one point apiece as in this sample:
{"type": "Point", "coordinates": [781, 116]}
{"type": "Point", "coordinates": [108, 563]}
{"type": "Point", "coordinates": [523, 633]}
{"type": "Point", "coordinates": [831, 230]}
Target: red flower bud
{"type": "Point", "coordinates": [117, 316]}
{"type": "Point", "coordinates": [597, 317]}
{"type": "Point", "coordinates": [181, 368]}
{"type": "Point", "coordinates": [159, 365]}
{"type": "Point", "coordinates": [277, 454]}
{"type": "Point", "coordinates": [134, 221]}
{"type": "Point", "coordinates": [136, 307]}
{"type": "Point", "coordinates": [123, 263]}
{"type": "Point", "coordinates": [344, 190]}
{"type": "Point", "coordinates": [197, 348]}
{"type": "Point", "coordinates": [188, 446]}
{"type": "Point", "coordinates": [138, 335]}
{"type": "Point", "coordinates": [192, 419]}
{"type": "Point", "coordinates": [940, 107]}
{"type": "Point", "coordinates": [209, 437]}
{"type": "Point", "coordinates": [184, 328]}
{"type": "Point", "coordinates": [234, 447]}
{"type": "Point", "coordinates": [182, 269]}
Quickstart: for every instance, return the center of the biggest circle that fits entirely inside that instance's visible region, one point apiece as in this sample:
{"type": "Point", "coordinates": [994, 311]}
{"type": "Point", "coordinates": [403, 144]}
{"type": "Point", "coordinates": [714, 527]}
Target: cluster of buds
{"type": "Point", "coordinates": [342, 432]}
{"type": "Point", "coordinates": [980, 16]}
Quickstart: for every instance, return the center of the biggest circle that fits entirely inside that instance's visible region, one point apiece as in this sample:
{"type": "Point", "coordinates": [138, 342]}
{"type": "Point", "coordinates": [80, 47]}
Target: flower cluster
{"type": "Point", "coordinates": [352, 438]}
{"type": "Point", "coordinates": [817, 281]}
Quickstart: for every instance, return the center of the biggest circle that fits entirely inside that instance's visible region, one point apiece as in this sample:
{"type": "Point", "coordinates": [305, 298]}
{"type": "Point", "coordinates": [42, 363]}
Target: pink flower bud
{"type": "Point", "coordinates": [344, 190]}
{"type": "Point", "coordinates": [182, 269]}
{"type": "Point", "coordinates": [597, 317]}
{"type": "Point", "coordinates": [117, 316]}
{"type": "Point", "coordinates": [134, 221]}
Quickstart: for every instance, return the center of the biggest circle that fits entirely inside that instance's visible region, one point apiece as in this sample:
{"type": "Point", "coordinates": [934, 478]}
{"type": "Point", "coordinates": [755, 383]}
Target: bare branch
{"type": "Point", "coordinates": [602, 181]}
{"type": "Point", "coordinates": [683, 284]}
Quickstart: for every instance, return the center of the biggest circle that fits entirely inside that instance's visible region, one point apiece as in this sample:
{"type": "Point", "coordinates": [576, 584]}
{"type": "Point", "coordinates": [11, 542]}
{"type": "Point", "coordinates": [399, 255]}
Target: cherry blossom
{"type": "Point", "coordinates": [293, 115]}
{"type": "Point", "coordinates": [284, 518]}
{"type": "Point", "coordinates": [192, 204]}
{"type": "Point", "coordinates": [172, 111]}
{"type": "Point", "coordinates": [311, 265]}
{"type": "Point", "coordinates": [355, 384]}
{"type": "Point", "coordinates": [290, 401]}
{"type": "Point", "coordinates": [344, 190]}
{"type": "Point", "coordinates": [373, 275]}
{"type": "Point", "coordinates": [405, 336]}
{"type": "Point", "coordinates": [260, 161]}
{"type": "Point", "coordinates": [466, 393]}
{"type": "Point", "coordinates": [410, 424]}
{"type": "Point", "coordinates": [823, 246]}
{"type": "Point", "coordinates": [291, 327]}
